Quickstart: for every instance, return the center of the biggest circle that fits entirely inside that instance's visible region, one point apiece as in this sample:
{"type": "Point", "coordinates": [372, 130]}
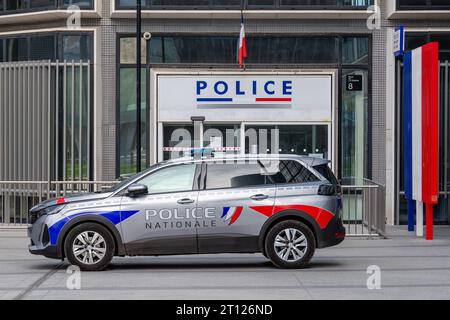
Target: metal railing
{"type": "Point", "coordinates": [364, 209]}
{"type": "Point", "coordinates": [45, 120]}
{"type": "Point", "coordinates": [18, 197]}
{"type": "Point", "coordinates": [363, 205]}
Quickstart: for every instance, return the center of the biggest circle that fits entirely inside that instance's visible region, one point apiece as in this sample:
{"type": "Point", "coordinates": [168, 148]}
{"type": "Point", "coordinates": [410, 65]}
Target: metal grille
{"type": "Point", "coordinates": [18, 197]}
{"type": "Point", "coordinates": [45, 121]}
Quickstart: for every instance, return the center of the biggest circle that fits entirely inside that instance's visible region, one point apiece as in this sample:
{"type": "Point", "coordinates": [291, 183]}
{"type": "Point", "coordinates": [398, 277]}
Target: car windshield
{"type": "Point", "coordinates": [133, 177]}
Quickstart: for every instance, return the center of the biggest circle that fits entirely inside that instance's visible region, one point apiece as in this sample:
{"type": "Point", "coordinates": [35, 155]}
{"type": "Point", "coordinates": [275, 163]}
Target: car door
{"type": "Point", "coordinates": [163, 221]}
{"type": "Point", "coordinates": [232, 190]}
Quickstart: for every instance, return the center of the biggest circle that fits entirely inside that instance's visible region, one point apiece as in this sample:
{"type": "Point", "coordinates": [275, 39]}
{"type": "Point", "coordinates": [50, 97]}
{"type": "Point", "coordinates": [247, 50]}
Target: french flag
{"type": "Point", "coordinates": [231, 214]}
{"type": "Point", "coordinates": [421, 135]}
{"type": "Point", "coordinates": [242, 45]}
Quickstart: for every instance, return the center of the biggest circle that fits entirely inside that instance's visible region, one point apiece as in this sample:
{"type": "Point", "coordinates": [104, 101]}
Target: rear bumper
{"type": "Point", "coordinates": [332, 235]}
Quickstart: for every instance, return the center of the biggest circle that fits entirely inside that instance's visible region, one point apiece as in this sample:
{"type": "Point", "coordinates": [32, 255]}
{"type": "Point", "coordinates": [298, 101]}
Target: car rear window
{"type": "Point", "coordinates": [326, 172]}
{"type": "Point", "coordinates": [291, 171]}
{"type": "Point", "coordinates": [235, 175]}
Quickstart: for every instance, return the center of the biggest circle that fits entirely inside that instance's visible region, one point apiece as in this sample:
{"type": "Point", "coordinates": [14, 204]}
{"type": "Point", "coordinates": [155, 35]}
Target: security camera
{"type": "Point", "coordinates": [147, 36]}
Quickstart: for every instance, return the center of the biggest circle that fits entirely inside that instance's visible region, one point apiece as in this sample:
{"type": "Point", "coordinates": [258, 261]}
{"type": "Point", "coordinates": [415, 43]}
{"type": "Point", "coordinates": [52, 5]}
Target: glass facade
{"type": "Point", "coordinates": [21, 6]}
{"type": "Point", "coordinates": [247, 4]}
{"type": "Point", "coordinates": [46, 46]}
{"type": "Point", "coordinates": [423, 4]}
{"type": "Point", "coordinates": [348, 54]}
{"type": "Point", "coordinates": [127, 120]}
{"type": "Point", "coordinates": [441, 211]}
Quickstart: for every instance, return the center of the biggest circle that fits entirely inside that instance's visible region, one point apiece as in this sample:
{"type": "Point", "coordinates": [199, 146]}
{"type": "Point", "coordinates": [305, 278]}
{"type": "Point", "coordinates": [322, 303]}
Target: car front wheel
{"type": "Point", "coordinates": [290, 244]}
{"type": "Point", "coordinates": [89, 246]}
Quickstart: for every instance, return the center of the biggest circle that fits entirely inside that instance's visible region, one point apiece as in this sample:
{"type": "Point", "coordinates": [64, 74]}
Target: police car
{"type": "Point", "coordinates": [284, 206]}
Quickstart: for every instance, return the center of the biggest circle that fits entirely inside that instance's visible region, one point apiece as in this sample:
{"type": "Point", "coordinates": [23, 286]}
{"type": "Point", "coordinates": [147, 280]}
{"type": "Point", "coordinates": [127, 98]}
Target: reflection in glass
{"type": "Point", "coordinates": [309, 140]}
{"type": "Point", "coordinates": [353, 128]}
{"type": "Point", "coordinates": [127, 116]}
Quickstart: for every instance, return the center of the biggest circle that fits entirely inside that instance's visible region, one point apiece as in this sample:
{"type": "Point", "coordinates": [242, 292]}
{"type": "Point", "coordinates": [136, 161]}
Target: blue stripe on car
{"type": "Point", "coordinates": [114, 216]}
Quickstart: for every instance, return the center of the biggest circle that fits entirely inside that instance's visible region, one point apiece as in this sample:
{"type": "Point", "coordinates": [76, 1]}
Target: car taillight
{"type": "Point", "coordinates": [327, 190]}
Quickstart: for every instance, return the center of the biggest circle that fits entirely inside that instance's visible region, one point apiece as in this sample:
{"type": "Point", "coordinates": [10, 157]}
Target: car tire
{"type": "Point", "coordinates": [89, 246]}
{"type": "Point", "coordinates": [290, 244]}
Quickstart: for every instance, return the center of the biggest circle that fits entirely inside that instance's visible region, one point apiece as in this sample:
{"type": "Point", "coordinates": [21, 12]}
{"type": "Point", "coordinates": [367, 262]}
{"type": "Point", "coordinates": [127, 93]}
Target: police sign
{"type": "Point", "coordinates": [282, 97]}
{"type": "Point", "coordinates": [245, 91]}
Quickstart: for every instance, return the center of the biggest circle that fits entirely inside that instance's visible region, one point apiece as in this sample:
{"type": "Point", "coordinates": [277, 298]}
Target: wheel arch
{"type": "Point", "coordinates": [89, 218]}
{"type": "Point", "coordinates": [284, 215]}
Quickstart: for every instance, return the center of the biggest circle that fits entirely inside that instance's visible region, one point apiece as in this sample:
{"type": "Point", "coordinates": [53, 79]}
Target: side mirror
{"type": "Point", "coordinates": [136, 190]}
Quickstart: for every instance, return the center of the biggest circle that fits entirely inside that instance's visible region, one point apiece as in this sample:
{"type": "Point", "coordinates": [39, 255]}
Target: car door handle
{"type": "Point", "coordinates": [185, 201]}
{"type": "Point", "coordinates": [259, 197]}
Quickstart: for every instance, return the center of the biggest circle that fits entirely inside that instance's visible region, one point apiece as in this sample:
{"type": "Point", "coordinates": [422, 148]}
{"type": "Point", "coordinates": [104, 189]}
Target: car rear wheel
{"type": "Point", "coordinates": [290, 244]}
{"type": "Point", "coordinates": [89, 246]}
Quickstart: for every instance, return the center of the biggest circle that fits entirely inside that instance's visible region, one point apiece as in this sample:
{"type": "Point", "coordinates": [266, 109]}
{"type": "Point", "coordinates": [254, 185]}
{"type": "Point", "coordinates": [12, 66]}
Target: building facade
{"type": "Point", "coordinates": [332, 58]}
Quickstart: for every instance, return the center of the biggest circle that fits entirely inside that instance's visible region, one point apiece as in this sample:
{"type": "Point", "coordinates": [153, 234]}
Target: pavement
{"type": "Point", "coordinates": [410, 268]}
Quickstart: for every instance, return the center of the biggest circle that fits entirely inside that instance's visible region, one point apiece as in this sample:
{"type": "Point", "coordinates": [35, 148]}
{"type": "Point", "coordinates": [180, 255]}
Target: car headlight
{"type": "Point", "coordinates": [53, 209]}
{"type": "Point", "coordinates": [34, 215]}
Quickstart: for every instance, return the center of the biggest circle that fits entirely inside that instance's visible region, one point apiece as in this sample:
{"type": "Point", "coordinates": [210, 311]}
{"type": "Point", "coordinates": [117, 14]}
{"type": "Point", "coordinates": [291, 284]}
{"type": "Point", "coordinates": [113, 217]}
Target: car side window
{"type": "Point", "coordinates": [176, 178]}
{"type": "Point", "coordinates": [235, 175]}
{"type": "Point", "coordinates": [291, 171]}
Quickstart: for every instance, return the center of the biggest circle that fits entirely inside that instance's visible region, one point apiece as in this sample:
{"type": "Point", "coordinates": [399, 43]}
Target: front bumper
{"type": "Point", "coordinates": [39, 245]}
{"type": "Point", "coordinates": [48, 251]}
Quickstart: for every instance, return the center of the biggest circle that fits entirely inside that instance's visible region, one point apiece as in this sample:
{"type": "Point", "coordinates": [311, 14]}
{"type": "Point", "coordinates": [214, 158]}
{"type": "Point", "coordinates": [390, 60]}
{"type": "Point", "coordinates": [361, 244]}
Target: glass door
{"type": "Point", "coordinates": [178, 139]}
{"type": "Point", "coordinates": [304, 139]}
{"type": "Point", "coordinates": [314, 140]}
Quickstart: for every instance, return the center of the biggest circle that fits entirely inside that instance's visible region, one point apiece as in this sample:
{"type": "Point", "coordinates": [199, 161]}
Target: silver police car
{"type": "Point", "coordinates": [284, 206]}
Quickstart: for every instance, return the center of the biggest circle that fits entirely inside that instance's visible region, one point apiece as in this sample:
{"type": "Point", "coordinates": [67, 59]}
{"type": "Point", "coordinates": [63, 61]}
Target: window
{"type": "Point", "coordinates": [235, 175]}
{"type": "Point", "coordinates": [128, 50]}
{"type": "Point", "coordinates": [223, 49]}
{"type": "Point", "coordinates": [17, 49]}
{"type": "Point", "coordinates": [47, 46]}
{"type": "Point", "coordinates": [20, 6]}
{"type": "Point", "coordinates": [2, 58]}
{"type": "Point", "coordinates": [79, 3]}
{"type": "Point", "coordinates": [355, 50]}
{"type": "Point", "coordinates": [248, 4]}
{"type": "Point", "coordinates": [172, 179]}
{"type": "Point", "coordinates": [415, 40]}
{"type": "Point", "coordinates": [42, 48]}
{"type": "Point", "coordinates": [291, 171]}
{"type": "Point", "coordinates": [423, 4]}
{"type": "Point", "coordinates": [127, 120]}
{"type": "Point", "coordinates": [326, 172]}
{"type": "Point", "coordinates": [351, 54]}
{"type": "Point", "coordinates": [42, 3]}
{"type": "Point", "coordinates": [76, 47]}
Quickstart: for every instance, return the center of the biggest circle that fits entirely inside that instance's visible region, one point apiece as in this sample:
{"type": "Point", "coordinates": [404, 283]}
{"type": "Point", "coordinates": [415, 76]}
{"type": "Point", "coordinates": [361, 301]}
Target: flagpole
{"type": "Point", "coordinates": [138, 84]}
{"type": "Point", "coordinates": [242, 22]}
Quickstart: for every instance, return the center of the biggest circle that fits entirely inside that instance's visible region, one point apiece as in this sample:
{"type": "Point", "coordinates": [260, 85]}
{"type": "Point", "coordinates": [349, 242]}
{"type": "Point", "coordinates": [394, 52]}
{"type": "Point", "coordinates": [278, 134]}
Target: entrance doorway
{"type": "Point", "coordinates": [178, 139]}
{"type": "Point", "coordinates": [243, 112]}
